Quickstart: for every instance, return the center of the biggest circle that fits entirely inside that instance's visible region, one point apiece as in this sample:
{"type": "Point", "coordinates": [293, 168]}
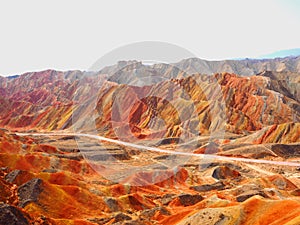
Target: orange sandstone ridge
{"type": "Point", "coordinates": [196, 105]}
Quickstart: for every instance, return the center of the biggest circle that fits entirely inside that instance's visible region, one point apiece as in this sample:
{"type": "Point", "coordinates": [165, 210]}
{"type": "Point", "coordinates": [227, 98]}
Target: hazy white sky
{"type": "Point", "coordinates": [65, 34]}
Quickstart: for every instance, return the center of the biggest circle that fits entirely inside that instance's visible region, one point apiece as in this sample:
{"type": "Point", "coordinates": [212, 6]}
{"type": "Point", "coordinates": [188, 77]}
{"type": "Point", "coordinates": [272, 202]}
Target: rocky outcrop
{"type": "Point", "coordinates": [11, 215]}
{"type": "Point", "coordinates": [29, 192]}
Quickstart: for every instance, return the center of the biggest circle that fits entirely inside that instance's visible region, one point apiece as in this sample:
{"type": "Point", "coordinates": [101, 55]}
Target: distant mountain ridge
{"type": "Point", "coordinates": [131, 72]}
{"type": "Point", "coordinates": [245, 67]}
{"type": "Point", "coordinates": [282, 54]}
{"type": "Point", "coordinates": [126, 71]}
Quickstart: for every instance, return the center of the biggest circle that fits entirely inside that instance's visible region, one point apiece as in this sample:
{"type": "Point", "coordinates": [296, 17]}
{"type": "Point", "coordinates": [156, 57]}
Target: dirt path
{"type": "Point", "coordinates": [154, 149]}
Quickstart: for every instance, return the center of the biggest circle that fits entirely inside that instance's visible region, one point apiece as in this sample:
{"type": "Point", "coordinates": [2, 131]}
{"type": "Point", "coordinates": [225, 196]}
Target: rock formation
{"type": "Point", "coordinates": [223, 147]}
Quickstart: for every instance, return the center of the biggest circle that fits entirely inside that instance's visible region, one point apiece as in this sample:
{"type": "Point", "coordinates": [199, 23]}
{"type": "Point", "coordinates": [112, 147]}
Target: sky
{"type": "Point", "coordinates": [66, 35]}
